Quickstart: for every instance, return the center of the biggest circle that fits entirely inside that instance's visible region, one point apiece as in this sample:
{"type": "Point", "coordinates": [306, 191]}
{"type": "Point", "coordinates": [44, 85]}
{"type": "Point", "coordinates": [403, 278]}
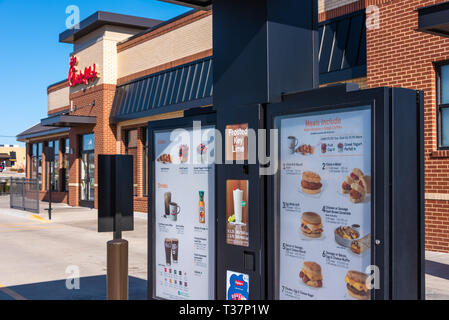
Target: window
{"type": "Point", "coordinates": [39, 164]}
{"type": "Point", "coordinates": [443, 105]}
{"type": "Point", "coordinates": [145, 161]}
{"type": "Point", "coordinates": [55, 169]}
{"type": "Point", "coordinates": [88, 141]}
{"type": "Point", "coordinates": [131, 149]}
{"type": "Point", "coordinates": [31, 164]}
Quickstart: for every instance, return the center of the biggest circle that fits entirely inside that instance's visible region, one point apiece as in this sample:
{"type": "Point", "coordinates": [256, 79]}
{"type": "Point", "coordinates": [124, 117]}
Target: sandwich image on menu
{"type": "Point", "coordinates": [357, 185]}
{"type": "Point", "coordinates": [311, 274]}
{"type": "Point", "coordinates": [311, 225]}
{"type": "Point", "coordinates": [356, 285]}
{"type": "Point", "coordinates": [311, 183]}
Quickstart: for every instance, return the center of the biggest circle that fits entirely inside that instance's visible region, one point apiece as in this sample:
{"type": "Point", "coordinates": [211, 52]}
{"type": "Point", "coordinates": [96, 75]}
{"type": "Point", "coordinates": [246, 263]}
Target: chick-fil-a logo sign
{"type": "Point", "coordinates": [83, 77]}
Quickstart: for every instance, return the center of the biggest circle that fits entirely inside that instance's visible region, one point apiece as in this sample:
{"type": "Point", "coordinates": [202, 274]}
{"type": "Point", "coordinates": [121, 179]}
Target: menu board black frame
{"type": "Point", "coordinates": [385, 105]}
{"type": "Point", "coordinates": [207, 119]}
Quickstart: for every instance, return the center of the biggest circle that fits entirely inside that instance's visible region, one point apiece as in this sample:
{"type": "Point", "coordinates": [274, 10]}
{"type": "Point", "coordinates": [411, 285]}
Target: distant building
{"type": "Point", "coordinates": [13, 156]}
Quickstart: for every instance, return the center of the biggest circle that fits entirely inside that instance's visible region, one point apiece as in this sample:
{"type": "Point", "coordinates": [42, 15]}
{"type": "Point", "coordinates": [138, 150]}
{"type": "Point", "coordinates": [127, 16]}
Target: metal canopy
{"type": "Point", "coordinates": [197, 4]}
{"type": "Point", "coordinates": [434, 19]}
{"type": "Point", "coordinates": [64, 121]}
{"type": "Point", "coordinates": [180, 88]}
{"type": "Point", "coordinates": [39, 130]}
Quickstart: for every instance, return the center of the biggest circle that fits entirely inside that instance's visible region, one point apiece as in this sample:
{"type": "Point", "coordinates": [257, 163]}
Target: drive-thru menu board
{"type": "Point", "coordinates": [325, 205]}
{"type": "Point", "coordinates": [184, 214]}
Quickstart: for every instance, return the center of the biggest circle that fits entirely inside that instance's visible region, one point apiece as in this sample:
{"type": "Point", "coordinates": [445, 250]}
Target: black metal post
{"type": "Point", "coordinates": [117, 226]}
{"type": "Point", "coordinates": [23, 194]}
{"type": "Point", "coordinates": [50, 187]}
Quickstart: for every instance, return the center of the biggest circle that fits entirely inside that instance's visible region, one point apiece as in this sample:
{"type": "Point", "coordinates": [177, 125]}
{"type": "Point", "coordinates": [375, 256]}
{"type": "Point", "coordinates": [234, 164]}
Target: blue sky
{"type": "Point", "coordinates": [31, 57]}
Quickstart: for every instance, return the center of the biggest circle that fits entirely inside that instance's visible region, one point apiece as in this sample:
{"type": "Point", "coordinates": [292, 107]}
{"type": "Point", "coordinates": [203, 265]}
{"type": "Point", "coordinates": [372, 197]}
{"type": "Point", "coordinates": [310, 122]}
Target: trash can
{"type": "Point", "coordinates": [2, 187]}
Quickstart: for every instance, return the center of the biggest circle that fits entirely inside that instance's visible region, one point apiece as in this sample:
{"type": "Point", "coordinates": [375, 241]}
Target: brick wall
{"type": "Point", "coordinates": [185, 37]}
{"type": "Point", "coordinates": [105, 133]}
{"type": "Point", "coordinates": [398, 56]}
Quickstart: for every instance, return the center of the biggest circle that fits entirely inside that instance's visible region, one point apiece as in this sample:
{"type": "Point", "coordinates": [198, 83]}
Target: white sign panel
{"type": "Point", "coordinates": [184, 214]}
{"type": "Point", "coordinates": [325, 205]}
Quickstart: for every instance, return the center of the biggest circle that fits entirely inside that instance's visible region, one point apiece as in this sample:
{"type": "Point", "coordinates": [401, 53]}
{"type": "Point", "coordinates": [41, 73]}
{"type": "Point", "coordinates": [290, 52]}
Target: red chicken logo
{"type": "Point", "coordinates": [83, 77]}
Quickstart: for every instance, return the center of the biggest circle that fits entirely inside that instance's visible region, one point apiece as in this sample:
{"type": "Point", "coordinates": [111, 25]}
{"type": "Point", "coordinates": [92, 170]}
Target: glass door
{"type": "Point", "coordinates": [87, 179]}
{"type": "Point", "coordinates": [87, 172]}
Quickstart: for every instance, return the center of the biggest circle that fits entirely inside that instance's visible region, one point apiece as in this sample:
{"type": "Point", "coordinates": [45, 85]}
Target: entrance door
{"type": "Point", "coordinates": [87, 179]}
{"type": "Point", "coordinates": [87, 172]}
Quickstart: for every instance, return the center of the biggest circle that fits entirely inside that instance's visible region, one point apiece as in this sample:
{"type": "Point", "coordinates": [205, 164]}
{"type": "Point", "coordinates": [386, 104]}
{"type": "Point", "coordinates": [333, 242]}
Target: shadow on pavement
{"type": "Point", "coordinates": [437, 269]}
{"type": "Point", "coordinates": [91, 288]}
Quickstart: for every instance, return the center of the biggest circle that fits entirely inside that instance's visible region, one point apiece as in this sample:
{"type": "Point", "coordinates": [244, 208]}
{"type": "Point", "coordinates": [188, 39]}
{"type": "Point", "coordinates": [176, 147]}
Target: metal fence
{"type": "Point", "coordinates": [24, 194]}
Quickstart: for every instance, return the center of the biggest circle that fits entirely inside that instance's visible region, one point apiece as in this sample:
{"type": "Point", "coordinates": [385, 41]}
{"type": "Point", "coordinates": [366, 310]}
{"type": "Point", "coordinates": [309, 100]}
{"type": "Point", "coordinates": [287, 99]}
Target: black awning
{"type": "Point", "coordinates": [180, 88]}
{"type": "Point", "coordinates": [39, 130]}
{"type": "Point", "coordinates": [342, 53]}
{"type": "Point", "coordinates": [434, 19]}
{"type": "Point", "coordinates": [65, 121]}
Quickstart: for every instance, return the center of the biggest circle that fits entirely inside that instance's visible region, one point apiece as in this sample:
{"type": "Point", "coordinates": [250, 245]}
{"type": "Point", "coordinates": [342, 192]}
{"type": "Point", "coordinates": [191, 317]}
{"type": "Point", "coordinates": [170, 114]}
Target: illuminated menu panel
{"type": "Point", "coordinates": [325, 205]}
{"type": "Point", "coordinates": [184, 214]}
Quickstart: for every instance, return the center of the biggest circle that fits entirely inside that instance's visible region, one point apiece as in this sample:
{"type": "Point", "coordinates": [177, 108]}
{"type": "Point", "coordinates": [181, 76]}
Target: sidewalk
{"type": "Point", "coordinates": [36, 253]}
{"type": "Point", "coordinates": [437, 276]}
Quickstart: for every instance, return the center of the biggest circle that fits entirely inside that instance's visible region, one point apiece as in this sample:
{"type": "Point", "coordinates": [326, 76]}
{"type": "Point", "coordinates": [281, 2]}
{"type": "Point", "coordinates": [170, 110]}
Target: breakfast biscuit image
{"type": "Point", "coordinates": [356, 174]}
{"type": "Point", "coordinates": [311, 274]}
{"type": "Point", "coordinates": [311, 225]}
{"type": "Point", "coordinates": [356, 285]}
{"type": "Point", "coordinates": [365, 182]}
{"type": "Point", "coordinates": [311, 182]}
{"type": "Point", "coordinates": [346, 186]}
{"type": "Point", "coordinates": [357, 193]}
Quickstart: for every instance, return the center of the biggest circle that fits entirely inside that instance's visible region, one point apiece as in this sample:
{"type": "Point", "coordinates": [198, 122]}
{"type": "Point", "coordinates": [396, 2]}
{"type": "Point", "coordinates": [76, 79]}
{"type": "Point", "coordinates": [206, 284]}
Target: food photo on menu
{"type": "Point", "coordinates": [165, 158]}
{"type": "Point", "coordinates": [311, 225]}
{"type": "Point", "coordinates": [356, 285]}
{"type": "Point", "coordinates": [357, 186]}
{"type": "Point", "coordinates": [311, 274]}
{"type": "Point", "coordinates": [311, 183]}
{"type": "Point", "coordinates": [359, 246]}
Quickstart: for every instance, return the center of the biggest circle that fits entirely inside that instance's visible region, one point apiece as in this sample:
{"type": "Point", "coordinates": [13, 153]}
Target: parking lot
{"type": "Point", "coordinates": [39, 255]}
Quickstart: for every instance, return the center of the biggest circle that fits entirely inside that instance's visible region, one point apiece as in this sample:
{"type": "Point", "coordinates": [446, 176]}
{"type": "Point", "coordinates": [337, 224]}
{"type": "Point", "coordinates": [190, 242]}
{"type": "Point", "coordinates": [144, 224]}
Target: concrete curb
{"type": "Point", "coordinates": [141, 215]}
{"type": "Point", "coordinates": [16, 213]}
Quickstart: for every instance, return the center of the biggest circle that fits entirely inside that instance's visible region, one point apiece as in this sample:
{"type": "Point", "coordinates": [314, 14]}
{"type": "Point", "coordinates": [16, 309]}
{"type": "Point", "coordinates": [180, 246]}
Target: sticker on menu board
{"type": "Point", "coordinates": [237, 286]}
{"type": "Point", "coordinates": [237, 142]}
{"type": "Point", "coordinates": [325, 205]}
{"type": "Point", "coordinates": [237, 229]}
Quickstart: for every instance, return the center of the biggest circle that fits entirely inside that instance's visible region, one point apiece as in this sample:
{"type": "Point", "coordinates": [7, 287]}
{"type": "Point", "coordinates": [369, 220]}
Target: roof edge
{"type": "Point", "coordinates": [101, 18]}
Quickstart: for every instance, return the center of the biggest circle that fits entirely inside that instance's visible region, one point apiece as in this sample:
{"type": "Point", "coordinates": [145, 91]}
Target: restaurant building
{"type": "Point", "coordinates": [127, 71]}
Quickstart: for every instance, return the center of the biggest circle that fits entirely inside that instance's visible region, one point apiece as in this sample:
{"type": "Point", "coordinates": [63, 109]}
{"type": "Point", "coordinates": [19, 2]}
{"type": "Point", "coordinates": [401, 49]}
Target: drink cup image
{"type": "Point", "coordinates": [168, 251]}
{"type": "Point", "coordinates": [292, 143]}
{"type": "Point", "coordinates": [175, 209]}
{"type": "Point", "coordinates": [167, 200]}
{"type": "Point", "coordinates": [175, 250]}
{"type": "Point", "coordinates": [238, 199]}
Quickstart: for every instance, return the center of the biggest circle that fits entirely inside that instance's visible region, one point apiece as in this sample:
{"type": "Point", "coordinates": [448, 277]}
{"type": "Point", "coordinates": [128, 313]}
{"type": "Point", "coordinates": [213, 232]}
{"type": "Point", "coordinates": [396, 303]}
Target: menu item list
{"type": "Point", "coordinates": [325, 205]}
{"type": "Point", "coordinates": [184, 216]}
